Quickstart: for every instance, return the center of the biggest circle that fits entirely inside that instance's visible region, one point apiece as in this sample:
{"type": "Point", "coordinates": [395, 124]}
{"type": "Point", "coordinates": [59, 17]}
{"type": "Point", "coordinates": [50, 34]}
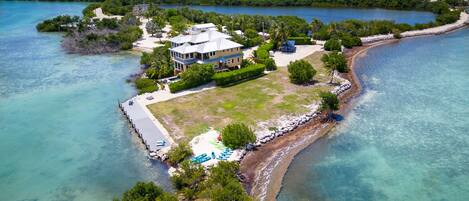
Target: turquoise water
{"type": "Point", "coordinates": [407, 137]}
{"type": "Point", "coordinates": [62, 136]}
{"type": "Point", "coordinates": [325, 14]}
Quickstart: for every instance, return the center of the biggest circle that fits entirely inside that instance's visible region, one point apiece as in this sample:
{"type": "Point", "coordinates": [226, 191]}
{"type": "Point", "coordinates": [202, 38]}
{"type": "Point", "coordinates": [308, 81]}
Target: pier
{"type": "Point", "coordinates": [144, 126]}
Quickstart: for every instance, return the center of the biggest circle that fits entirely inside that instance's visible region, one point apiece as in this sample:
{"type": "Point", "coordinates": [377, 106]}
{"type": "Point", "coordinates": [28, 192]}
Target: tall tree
{"type": "Point", "coordinates": [334, 61]}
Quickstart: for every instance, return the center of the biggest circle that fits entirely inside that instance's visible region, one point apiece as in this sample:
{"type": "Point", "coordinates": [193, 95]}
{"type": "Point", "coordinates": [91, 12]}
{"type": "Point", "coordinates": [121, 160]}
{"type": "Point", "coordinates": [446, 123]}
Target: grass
{"type": "Point", "coordinates": [261, 99]}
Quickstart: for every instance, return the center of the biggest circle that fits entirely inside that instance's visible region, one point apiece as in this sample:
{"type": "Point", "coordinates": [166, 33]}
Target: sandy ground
{"type": "Point", "coordinates": [148, 42]}
{"type": "Point", "coordinates": [100, 15]}
{"type": "Point", "coordinates": [302, 51]}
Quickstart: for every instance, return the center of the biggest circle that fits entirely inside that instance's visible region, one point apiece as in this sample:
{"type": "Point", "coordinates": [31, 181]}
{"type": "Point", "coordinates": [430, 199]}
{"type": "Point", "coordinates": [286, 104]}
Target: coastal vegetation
{"type": "Point", "coordinates": [145, 85]}
{"type": "Point", "coordinates": [179, 153]}
{"type": "Point", "coordinates": [301, 72]}
{"type": "Point", "coordinates": [146, 191]}
{"type": "Point", "coordinates": [237, 135]}
{"type": "Point", "coordinates": [329, 104]}
{"type": "Point", "coordinates": [157, 63]}
{"type": "Point", "coordinates": [58, 24]}
{"type": "Point", "coordinates": [219, 184]}
{"type": "Point", "coordinates": [249, 102]}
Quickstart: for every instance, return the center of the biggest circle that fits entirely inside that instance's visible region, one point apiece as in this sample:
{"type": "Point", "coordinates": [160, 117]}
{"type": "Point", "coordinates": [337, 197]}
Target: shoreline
{"type": "Point", "coordinates": [265, 168]}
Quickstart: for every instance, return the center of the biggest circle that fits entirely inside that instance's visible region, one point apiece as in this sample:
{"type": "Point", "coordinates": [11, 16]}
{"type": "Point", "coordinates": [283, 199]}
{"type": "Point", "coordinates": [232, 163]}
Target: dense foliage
{"type": "Point", "coordinates": [147, 191]}
{"type": "Point", "coordinates": [301, 72]}
{"type": "Point", "coordinates": [179, 153]}
{"type": "Point", "coordinates": [158, 62]}
{"type": "Point", "coordinates": [333, 45]}
{"type": "Point", "coordinates": [145, 85]}
{"type": "Point", "coordinates": [188, 178]}
{"type": "Point", "coordinates": [270, 64]}
{"type": "Point", "coordinates": [88, 11]}
{"type": "Point", "coordinates": [262, 52]}
{"type": "Point", "coordinates": [249, 39]}
{"type": "Point", "coordinates": [237, 135]}
{"type": "Point", "coordinates": [58, 24]}
{"type": "Point", "coordinates": [222, 183]}
{"type": "Point", "coordinates": [195, 75]}
{"type": "Point", "coordinates": [235, 76]}
{"type": "Point", "coordinates": [350, 41]}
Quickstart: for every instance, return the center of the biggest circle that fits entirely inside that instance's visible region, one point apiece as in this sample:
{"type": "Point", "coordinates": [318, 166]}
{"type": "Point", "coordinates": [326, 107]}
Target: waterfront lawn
{"type": "Point", "coordinates": [261, 99]}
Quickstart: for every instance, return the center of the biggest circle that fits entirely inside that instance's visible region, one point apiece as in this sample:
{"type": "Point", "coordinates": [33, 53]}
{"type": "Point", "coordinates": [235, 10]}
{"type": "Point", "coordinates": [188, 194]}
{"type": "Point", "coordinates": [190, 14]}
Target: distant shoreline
{"type": "Point", "coordinates": [265, 168]}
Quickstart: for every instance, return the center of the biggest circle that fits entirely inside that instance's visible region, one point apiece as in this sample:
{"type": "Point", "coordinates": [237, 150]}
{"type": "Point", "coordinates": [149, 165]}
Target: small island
{"type": "Point", "coordinates": [221, 97]}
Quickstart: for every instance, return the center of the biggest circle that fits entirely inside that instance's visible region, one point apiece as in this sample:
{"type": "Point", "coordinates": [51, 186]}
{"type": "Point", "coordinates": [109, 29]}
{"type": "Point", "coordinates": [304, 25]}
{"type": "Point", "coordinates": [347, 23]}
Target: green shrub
{"type": "Point", "coordinates": [237, 135]}
{"type": "Point", "coordinates": [332, 45]}
{"type": "Point", "coordinates": [262, 52]}
{"type": "Point", "coordinates": [230, 77]}
{"type": "Point", "coordinates": [88, 11]}
{"type": "Point", "coordinates": [301, 72]}
{"type": "Point", "coordinates": [147, 191]}
{"type": "Point", "coordinates": [195, 75]}
{"type": "Point", "coordinates": [145, 85]}
{"type": "Point", "coordinates": [177, 86]}
{"type": "Point", "coordinates": [301, 40]}
{"type": "Point", "coordinates": [270, 64]}
{"type": "Point", "coordinates": [350, 41]}
{"type": "Point", "coordinates": [179, 153]}
{"type": "Point", "coordinates": [57, 24]}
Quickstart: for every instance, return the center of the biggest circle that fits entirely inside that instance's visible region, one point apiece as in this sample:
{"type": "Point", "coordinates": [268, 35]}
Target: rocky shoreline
{"type": "Point", "coordinates": [264, 168]}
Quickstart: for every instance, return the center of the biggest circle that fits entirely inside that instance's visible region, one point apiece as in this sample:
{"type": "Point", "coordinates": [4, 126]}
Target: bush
{"type": "Point", "coordinates": [57, 24]}
{"type": "Point", "coordinates": [145, 85]}
{"type": "Point", "coordinates": [180, 153]}
{"type": "Point", "coordinates": [177, 86]}
{"type": "Point", "coordinates": [195, 75]}
{"type": "Point", "coordinates": [147, 191]}
{"type": "Point", "coordinates": [332, 45]}
{"type": "Point", "coordinates": [329, 103]}
{"type": "Point", "coordinates": [350, 41]}
{"type": "Point", "coordinates": [396, 33]}
{"type": "Point", "coordinates": [187, 179]}
{"type": "Point", "coordinates": [88, 11]}
{"type": "Point", "coordinates": [270, 64]}
{"type": "Point", "coordinates": [301, 40]}
{"type": "Point", "coordinates": [230, 77]}
{"type": "Point", "coordinates": [262, 52]}
{"type": "Point", "coordinates": [237, 135]}
{"type": "Point", "coordinates": [301, 72]}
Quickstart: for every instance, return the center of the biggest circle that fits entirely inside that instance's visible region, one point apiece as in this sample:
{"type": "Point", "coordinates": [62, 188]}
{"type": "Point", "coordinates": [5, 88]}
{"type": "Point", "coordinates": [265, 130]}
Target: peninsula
{"type": "Point", "coordinates": [228, 100]}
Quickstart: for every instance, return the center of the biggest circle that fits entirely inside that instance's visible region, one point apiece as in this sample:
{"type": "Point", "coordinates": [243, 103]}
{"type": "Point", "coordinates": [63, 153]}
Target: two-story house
{"type": "Point", "coordinates": [205, 47]}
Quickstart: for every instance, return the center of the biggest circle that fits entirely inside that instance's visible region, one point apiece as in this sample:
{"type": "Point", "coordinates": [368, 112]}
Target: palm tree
{"type": "Point", "coordinates": [280, 33]}
{"type": "Point", "coordinates": [316, 24]}
{"type": "Point", "coordinates": [334, 61]}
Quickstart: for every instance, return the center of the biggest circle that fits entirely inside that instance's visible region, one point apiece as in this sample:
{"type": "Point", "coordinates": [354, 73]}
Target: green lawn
{"type": "Point", "coordinates": [256, 100]}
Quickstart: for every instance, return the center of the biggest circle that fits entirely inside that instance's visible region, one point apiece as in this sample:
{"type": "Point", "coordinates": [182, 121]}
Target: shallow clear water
{"type": "Point", "coordinates": [407, 137]}
{"type": "Point", "coordinates": [62, 136]}
{"type": "Point", "coordinates": [324, 14]}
